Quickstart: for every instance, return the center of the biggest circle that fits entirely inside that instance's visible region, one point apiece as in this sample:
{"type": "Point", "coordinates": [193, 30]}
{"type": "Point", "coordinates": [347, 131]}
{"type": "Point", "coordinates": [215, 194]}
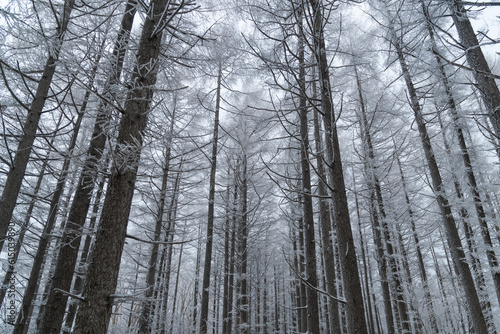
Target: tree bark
{"type": "Point", "coordinates": [205, 291]}
{"type": "Point", "coordinates": [95, 311]}
{"type": "Point", "coordinates": [145, 320]}
{"type": "Point", "coordinates": [52, 318]}
{"type": "Point", "coordinates": [475, 57]}
{"type": "Point", "coordinates": [326, 225]}
{"type": "Point", "coordinates": [452, 236]}
{"type": "Point", "coordinates": [306, 192]}
{"type": "Point", "coordinates": [18, 167]}
{"type": "Point", "coordinates": [355, 315]}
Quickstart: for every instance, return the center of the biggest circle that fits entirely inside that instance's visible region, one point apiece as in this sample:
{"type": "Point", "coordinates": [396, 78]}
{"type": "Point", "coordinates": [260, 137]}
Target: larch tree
{"type": "Point", "coordinates": [34, 112]}
{"type": "Point", "coordinates": [95, 311]}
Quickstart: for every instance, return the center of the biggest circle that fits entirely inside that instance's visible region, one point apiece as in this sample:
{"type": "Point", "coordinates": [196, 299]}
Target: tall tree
{"type": "Point", "coordinates": [205, 292]}
{"type": "Point", "coordinates": [52, 318]}
{"type": "Point", "coordinates": [104, 264]}
{"type": "Point", "coordinates": [449, 224]}
{"type": "Point", "coordinates": [485, 81]}
{"type": "Point", "coordinates": [355, 313]}
{"type": "Point", "coordinates": [18, 167]}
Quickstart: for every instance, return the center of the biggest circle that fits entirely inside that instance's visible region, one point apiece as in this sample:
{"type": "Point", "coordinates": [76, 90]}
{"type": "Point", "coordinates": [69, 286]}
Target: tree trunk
{"type": "Point", "coordinates": [369, 309]}
{"type": "Point", "coordinates": [243, 300]}
{"type": "Point", "coordinates": [354, 308]}
{"type": "Point", "coordinates": [205, 290]}
{"type": "Point", "coordinates": [374, 184]}
{"type": "Point", "coordinates": [81, 271]}
{"type": "Point", "coordinates": [95, 311]}
{"type": "Point", "coordinates": [423, 274]}
{"type": "Point", "coordinates": [475, 57]}
{"type": "Point", "coordinates": [453, 238]}
{"type": "Point", "coordinates": [326, 225]}
{"type": "Point", "coordinates": [18, 167]}
{"type": "Point", "coordinates": [145, 320]}
{"type": "Point", "coordinates": [63, 275]}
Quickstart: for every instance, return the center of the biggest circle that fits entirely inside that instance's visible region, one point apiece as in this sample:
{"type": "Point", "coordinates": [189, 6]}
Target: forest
{"type": "Point", "coordinates": [250, 167]}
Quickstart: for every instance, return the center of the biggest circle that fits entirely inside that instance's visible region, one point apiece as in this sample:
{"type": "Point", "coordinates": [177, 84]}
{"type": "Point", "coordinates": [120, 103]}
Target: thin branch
{"type": "Point", "coordinates": [160, 242]}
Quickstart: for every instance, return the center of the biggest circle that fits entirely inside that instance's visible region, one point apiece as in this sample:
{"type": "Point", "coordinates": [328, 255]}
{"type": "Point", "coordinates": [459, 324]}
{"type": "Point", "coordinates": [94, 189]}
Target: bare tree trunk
{"type": "Point", "coordinates": [176, 288]}
{"type": "Point", "coordinates": [205, 290]}
{"type": "Point", "coordinates": [307, 206]}
{"type": "Point", "coordinates": [52, 319]}
{"type": "Point", "coordinates": [227, 234]}
{"type": "Point", "coordinates": [196, 283]}
{"type": "Point", "coordinates": [95, 311]}
{"type": "Point", "coordinates": [374, 184]}
{"type": "Point", "coordinates": [453, 238]}
{"type": "Point", "coordinates": [475, 57]}
{"type": "Point", "coordinates": [423, 274]}
{"type": "Point", "coordinates": [326, 224]}
{"type": "Point", "coordinates": [145, 319]}
{"type": "Point", "coordinates": [18, 167]}
{"type": "Point", "coordinates": [243, 300]}
{"type": "Point", "coordinates": [81, 271]}
{"type": "Point", "coordinates": [355, 316]}
{"type": "Point", "coordinates": [369, 309]}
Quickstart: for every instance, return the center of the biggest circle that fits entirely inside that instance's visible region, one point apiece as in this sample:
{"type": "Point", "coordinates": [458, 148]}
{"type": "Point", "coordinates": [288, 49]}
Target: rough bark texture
{"type": "Point", "coordinates": [18, 168]}
{"type": "Point", "coordinates": [52, 318]}
{"type": "Point", "coordinates": [326, 226]}
{"type": "Point", "coordinates": [355, 314]}
{"type": "Point", "coordinates": [475, 57]}
{"type": "Point", "coordinates": [104, 264]}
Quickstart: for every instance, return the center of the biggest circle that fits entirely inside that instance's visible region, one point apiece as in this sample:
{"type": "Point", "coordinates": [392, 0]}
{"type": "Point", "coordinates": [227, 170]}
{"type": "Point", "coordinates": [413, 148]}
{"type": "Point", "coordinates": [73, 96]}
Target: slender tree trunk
{"type": "Point", "coordinates": [81, 271]}
{"type": "Point", "coordinates": [172, 220]}
{"type": "Point", "coordinates": [453, 238]}
{"type": "Point", "coordinates": [225, 294]}
{"type": "Point", "coordinates": [18, 167]}
{"type": "Point", "coordinates": [354, 308]}
{"type": "Point", "coordinates": [176, 289]}
{"type": "Point", "coordinates": [145, 319]}
{"type": "Point", "coordinates": [326, 224]}
{"type": "Point", "coordinates": [464, 151]}
{"type": "Point", "coordinates": [374, 183]}
{"type": "Point", "coordinates": [307, 207]}
{"type": "Point", "coordinates": [205, 290]}
{"type": "Point", "coordinates": [369, 309]}
{"type": "Point", "coordinates": [95, 311]}
{"type": "Point", "coordinates": [243, 299]}
{"type": "Point", "coordinates": [196, 283]}
{"type": "Point", "coordinates": [52, 319]}
{"type": "Point", "coordinates": [423, 274]}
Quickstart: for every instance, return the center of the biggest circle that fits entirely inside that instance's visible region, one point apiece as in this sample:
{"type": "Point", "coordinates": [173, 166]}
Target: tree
{"type": "Point", "coordinates": [18, 167]}
{"type": "Point", "coordinates": [95, 311]}
{"type": "Point", "coordinates": [52, 318]}
{"type": "Point", "coordinates": [356, 322]}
